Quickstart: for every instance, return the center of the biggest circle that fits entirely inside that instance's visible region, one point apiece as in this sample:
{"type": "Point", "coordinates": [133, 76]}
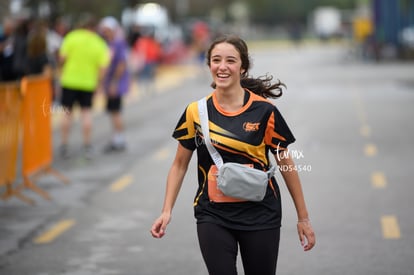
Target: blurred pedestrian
{"type": "Point", "coordinates": [116, 81]}
{"type": "Point", "coordinates": [245, 128]}
{"type": "Point", "coordinates": [58, 29]}
{"type": "Point", "coordinates": [148, 51]}
{"type": "Point", "coordinates": [200, 40]}
{"type": "Point", "coordinates": [295, 31]}
{"type": "Point", "coordinates": [84, 56]}
{"type": "Point", "coordinates": [13, 48]}
{"type": "Point", "coordinates": [134, 33]}
{"type": "Point", "coordinates": [38, 59]}
{"type": "Point", "coordinates": [20, 47]}
{"type": "Point", "coordinates": [6, 49]}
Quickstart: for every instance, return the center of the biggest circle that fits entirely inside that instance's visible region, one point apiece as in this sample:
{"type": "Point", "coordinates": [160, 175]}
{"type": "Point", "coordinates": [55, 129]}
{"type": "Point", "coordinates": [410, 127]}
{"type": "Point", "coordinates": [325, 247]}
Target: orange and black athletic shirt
{"type": "Point", "coordinates": [246, 137]}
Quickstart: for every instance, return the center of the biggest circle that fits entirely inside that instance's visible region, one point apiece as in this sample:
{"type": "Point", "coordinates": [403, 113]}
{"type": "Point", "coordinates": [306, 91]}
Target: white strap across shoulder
{"type": "Point", "coordinates": [203, 113]}
{"type": "Point", "coordinates": [218, 160]}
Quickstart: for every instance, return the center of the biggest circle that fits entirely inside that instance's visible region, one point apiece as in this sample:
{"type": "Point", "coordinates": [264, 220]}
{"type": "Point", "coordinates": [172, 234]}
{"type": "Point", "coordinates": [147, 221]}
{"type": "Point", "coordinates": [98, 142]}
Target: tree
{"type": "Point", "coordinates": [268, 12]}
{"type": "Point", "coordinates": [279, 11]}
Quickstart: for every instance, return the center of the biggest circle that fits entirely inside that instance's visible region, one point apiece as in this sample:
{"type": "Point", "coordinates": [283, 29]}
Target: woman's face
{"type": "Point", "coordinates": [225, 66]}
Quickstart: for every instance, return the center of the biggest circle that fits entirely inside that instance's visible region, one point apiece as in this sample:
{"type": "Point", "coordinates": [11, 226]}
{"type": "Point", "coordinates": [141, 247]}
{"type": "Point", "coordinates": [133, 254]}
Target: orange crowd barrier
{"type": "Point", "coordinates": [37, 132]}
{"type": "Point", "coordinates": [10, 118]}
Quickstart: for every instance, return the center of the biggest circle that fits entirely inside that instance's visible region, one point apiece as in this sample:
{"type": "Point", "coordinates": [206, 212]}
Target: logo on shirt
{"type": "Point", "coordinates": [199, 138]}
{"type": "Point", "coordinates": [251, 126]}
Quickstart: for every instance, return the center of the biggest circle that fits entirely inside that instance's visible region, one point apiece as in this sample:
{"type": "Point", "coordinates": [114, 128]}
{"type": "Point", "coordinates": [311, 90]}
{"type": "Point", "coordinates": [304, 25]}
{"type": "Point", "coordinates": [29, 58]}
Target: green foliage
{"type": "Point", "coordinates": [261, 11]}
{"type": "Point", "coordinates": [280, 11]}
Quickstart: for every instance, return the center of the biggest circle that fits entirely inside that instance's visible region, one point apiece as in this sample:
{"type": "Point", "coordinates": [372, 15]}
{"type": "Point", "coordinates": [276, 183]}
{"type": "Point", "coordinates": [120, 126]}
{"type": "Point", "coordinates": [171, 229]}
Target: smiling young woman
{"type": "Point", "coordinates": [245, 128]}
{"type": "Point", "coordinates": [226, 70]}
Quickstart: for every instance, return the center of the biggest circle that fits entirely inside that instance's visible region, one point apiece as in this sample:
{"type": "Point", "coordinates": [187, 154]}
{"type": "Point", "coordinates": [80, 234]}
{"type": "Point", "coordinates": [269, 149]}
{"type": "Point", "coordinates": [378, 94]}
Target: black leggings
{"type": "Point", "coordinates": [258, 249]}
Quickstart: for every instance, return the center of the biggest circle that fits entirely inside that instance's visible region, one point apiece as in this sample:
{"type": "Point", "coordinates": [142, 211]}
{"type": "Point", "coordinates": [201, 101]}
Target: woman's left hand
{"type": "Point", "coordinates": [306, 235]}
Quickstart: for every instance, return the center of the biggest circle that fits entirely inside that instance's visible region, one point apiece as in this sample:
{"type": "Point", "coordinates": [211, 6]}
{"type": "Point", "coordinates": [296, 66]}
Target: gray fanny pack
{"type": "Point", "coordinates": [234, 179]}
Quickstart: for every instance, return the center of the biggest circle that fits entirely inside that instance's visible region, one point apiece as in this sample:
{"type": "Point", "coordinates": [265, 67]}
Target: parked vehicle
{"type": "Point", "coordinates": [392, 21]}
{"type": "Point", "coordinates": [326, 22]}
{"type": "Point", "coordinates": [148, 16]}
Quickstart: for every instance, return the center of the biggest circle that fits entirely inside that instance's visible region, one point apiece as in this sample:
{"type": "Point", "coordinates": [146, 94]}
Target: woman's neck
{"type": "Point", "coordinates": [230, 100]}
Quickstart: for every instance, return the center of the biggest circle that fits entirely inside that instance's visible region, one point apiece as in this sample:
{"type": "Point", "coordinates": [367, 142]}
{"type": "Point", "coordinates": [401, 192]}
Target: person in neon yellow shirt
{"type": "Point", "coordinates": [84, 56]}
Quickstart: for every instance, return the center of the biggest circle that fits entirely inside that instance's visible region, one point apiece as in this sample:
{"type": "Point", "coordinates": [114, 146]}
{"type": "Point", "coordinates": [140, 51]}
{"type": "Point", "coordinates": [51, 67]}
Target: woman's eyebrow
{"type": "Point", "coordinates": [227, 57]}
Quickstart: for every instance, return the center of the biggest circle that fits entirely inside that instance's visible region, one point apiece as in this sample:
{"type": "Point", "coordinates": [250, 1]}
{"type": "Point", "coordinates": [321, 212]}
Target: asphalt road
{"type": "Point", "coordinates": [355, 136]}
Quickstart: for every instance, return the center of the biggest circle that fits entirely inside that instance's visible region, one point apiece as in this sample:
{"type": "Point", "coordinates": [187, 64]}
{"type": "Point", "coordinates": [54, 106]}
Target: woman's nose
{"type": "Point", "coordinates": [222, 65]}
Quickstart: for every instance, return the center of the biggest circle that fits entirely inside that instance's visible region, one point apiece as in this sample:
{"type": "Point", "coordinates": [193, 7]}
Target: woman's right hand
{"type": "Point", "coordinates": [159, 226]}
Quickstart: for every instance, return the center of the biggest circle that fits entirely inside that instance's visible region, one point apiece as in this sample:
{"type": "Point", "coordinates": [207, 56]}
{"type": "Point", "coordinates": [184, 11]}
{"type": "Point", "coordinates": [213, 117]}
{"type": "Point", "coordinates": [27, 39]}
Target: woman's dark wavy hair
{"type": "Point", "coordinates": [262, 85]}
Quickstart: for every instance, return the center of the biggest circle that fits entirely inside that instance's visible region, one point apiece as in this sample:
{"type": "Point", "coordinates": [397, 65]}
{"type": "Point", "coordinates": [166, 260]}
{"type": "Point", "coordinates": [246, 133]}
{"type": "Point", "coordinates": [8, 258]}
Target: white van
{"type": "Point", "coordinates": [148, 16]}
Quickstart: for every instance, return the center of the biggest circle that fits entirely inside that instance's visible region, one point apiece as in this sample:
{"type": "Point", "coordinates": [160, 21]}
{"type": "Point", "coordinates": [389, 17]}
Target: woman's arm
{"type": "Point", "coordinates": [291, 178]}
{"type": "Point", "coordinates": [174, 181]}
